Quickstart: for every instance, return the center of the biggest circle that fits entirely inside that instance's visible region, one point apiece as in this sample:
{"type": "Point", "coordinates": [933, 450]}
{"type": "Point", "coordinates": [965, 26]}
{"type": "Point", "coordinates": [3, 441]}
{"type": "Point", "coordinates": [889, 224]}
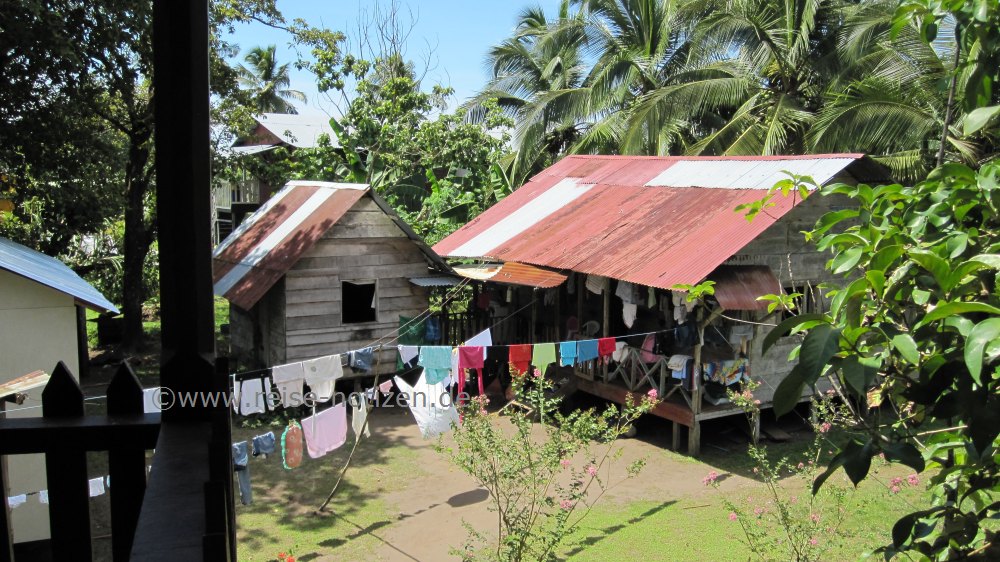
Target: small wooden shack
{"type": "Point", "coordinates": [598, 246]}
{"type": "Point", "coordinates": [321, 268]}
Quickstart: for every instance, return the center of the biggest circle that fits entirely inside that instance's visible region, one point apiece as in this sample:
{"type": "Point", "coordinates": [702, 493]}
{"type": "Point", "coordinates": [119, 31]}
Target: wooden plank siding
{"type": "Point", "coordinates": [365, 244]}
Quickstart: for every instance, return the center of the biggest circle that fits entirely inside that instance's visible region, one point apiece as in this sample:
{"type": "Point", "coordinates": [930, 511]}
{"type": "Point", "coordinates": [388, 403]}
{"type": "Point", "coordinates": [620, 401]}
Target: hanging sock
{"type": "Point", "coordinates": [241, 465]}
{"type": "Point", "coordinates": [436, 361]}
{"type": "Point", "coordinates": [543, 355]}
{"type": "Point", "coordinates": [325, 431]}
{"type": "Point", "coordinates": [586, 350]}
{"type": "Point", "coordinates": [291, 445]}
{"type": "Point", "coordinates": [520, 357]}
{"type": "Point", "coordinates": [605, 347]}
{"type": "Point", "coordinates": [359, 415]}
{"type": "Point", "coordinates": [321, 375]}
{"type": "Point", "coordinates": [289, 379]}
{"type": "Point", "coordinates": [567, 353]}
{"type": "Point", "coordinates": [433, 417]}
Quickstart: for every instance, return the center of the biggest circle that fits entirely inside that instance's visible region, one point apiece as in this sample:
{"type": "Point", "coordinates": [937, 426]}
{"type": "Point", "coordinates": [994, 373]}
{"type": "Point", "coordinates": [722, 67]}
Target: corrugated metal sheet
{"type": "Point", "coordinates": [269, 242]}
{"type": "Point", "coordinates": [513, 273]}
{"type": "Point", "coordinates": [300, 131]}
{"type": "Point", "coordinates": [738, 286]}
{"type": "Point", "coordinates": [28, 382]}
{"type": "Point", "coordinates": [747, 174]}
{"type": "Point", "coordinates": [599, 217]}
{"type": "Point", "coordinates": [52, 273]}
{"type": "Point", "coordinates": [436, 281]}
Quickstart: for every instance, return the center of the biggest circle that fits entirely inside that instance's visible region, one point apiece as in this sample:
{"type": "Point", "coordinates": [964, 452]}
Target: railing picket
{"type": "Point", "coordinates": [66, 472]}
{"type": "Point", "coordinates": [126, 465]}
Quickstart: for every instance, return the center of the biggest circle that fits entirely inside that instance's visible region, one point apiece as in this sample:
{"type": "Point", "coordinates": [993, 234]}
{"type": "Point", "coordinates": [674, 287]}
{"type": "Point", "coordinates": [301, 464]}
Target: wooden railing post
{"type": "Point", "coordinates": [66, 472]}
{"type": "Point", "coordinates": [126, 465]}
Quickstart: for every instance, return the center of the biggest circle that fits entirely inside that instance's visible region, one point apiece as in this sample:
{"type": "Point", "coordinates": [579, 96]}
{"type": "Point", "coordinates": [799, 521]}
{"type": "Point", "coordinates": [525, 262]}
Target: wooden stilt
{"type": "Point", "coordinates": [676, 444]}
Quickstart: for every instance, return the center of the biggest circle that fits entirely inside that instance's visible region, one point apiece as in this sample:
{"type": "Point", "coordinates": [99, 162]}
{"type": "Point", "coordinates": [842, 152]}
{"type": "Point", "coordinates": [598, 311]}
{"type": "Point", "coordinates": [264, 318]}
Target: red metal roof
{"type": "Point", "coordinates": [613, 216]}
{"type": "Point", "coordinates": [513, 273]}
{"type": "Point", "coordinates": [738, 286]}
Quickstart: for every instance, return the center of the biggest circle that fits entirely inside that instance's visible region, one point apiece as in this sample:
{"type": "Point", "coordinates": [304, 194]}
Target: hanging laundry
{"type": "Point", "coordinates": [626, 292]}
{"type": "Point", "coordinates": [520, 357]}
{"type": "Point", "coordinates": [619, 353]}
{"type": "Point", "coordinates": [321, 375]}
{"type": "Point", "coordinates": [271, 399]}
{"type": "Point", "coordinates": [628, 313]}
{"type": "Point", "coordinates": [605, 347]}
{"type": "Point", "coordinates": [740, 333]}
{"type": "Point", "coordinates": [288, 379]}
{"type": "Point", "coordinates": [483, 301]}
{"type": "Point", "coordinates": [107, 481]}
{"type": "Point", "coordinates": [241, 465]}
{"type": "Point", "coordinates": [151, 400]}
{"type": "Point", "coordinates": [472, 357]}
{"type": "Point", "coordinates": [567, 353]}
{"type": "Point", "coordinates": [433, 332]}
{"type": "Point", "coordinates": [483, 339]}
{"type": "Point", "coordinates": [291, 445]}
{"type": "Point", "coordinates": [680, 310]}
{"type": "Point", "coordinates": [361, 360]}
{"type": "Point", "coordinates": [252, 397]}
{"type": "Point", "coordinates": [678, 365]}
{"type": "Point", "coordinates": [543, 355]}
{"type": "Point", "coordinates": [386, 387]}
{"type": "Point", "coordinates": [43, 496]}
{"type": "Point", "coordinates": [571, 283]}
{"type": "Point", "coordinates": [235, 402]}
{"type": "Point", "coordinates": [549, 297]}
{"type": "Point", "coordinates": [359, 415]}
{"type": "Point", "coordinates": [263, 444]}
{"type": "Point", "coordinates": [597, 284]}
{"type": "Point", "coordinates": [325, 431]}
{"type": "Point", "coordinates": [15, 501]}
{"type": "Point", "coordinates": [407, 354]}
{"type": "Point", "coordinates": [586, 350]}
{"type": "Point", "coordinates": [96, 486]}
{"type": "Point", "coordinates": [650, 298]}
{"type": "Point", "coordinates": [433, 417]}
{"type": "Point", "coordinates": [436, 361]}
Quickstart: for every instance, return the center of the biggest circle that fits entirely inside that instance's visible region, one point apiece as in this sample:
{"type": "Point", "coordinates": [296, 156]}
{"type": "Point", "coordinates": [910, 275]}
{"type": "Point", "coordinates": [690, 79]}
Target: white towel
{"type": "Point", "coordinates": [321, 373]}
{"type": "Point", "coordinates": [96, 486]}
{"type": "Point", "coordinates": [408, 353]}
{"type": "Point", "coordinates": [359, 413]}
{"type": "Point", "coordinates": [425, 402]}
{"type": "Point", "coordinates": [628, 314]}
{"type": "Point", "coordinates": [251, 397]}
{"type": "Point", "coordinates": [288, 378]}
{"type": "Point", "coordinates": [626, 292]}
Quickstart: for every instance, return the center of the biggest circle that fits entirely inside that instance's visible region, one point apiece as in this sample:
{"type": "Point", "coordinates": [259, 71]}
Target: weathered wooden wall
{"type": "Point", "coordinates": [365, 244]}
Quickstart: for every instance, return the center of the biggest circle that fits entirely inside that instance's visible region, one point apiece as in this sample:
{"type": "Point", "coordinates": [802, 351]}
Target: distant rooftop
{"type": "Point", "coordinates": [52, 273]}
{"type": "Point", "coordinates": [299, 131]}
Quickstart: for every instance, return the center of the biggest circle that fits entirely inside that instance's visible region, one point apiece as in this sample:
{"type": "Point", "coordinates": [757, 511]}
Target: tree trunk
{"type": "Point", "coordinates": [138, 238]}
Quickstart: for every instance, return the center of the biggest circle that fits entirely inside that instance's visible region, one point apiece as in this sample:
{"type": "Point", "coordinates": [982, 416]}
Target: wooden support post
{"type": "Point", "coordinates": [66, 473]}
{"type": "Point", "coordinates": [580, 288]}
{"type": "Point", "coordinates": [694, 439]}
{"type": "Point", "coordinates": [534, 316]}
{"type": "Point", "coordinates": [557, 314]}
{"type": "Point", "coordinates": [676, 441]}
{"type": "Point", "coordinates": [126, 464]}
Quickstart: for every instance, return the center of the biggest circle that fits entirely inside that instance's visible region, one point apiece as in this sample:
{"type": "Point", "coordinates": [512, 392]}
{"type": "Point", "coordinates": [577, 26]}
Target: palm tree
{"type": "Point", "coordinates": [268, 81]}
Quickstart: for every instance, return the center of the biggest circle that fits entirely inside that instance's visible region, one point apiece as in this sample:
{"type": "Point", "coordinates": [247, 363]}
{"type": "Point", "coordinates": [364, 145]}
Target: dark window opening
{"type": "Point", "coordinates": [809, 301]}
{"type": "Point", "coordinates": [357, 301]}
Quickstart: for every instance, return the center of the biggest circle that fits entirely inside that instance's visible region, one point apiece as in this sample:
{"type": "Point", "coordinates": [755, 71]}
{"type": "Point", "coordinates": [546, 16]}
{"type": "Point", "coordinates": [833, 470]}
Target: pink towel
{"type": "Point", "coordinates": [325, 431]}
{"type": "Point", "coordinates": [470, 357]}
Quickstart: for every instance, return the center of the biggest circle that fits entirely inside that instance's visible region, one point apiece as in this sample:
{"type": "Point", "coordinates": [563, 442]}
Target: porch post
{"type": "Point", "coordinates": [580, 288]}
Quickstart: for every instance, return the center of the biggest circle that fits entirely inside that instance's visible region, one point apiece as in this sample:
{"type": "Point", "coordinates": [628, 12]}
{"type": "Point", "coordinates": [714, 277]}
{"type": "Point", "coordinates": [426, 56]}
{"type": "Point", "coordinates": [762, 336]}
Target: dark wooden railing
{"type": "Point", "coordinates": [456, 327]}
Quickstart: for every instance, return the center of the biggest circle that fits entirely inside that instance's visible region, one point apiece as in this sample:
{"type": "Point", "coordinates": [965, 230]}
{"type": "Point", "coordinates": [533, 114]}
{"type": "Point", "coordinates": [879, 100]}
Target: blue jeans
{"type": "Point", "coordinates": [241, 456]}
{"type": "Point", "coordinates": [263, 444]}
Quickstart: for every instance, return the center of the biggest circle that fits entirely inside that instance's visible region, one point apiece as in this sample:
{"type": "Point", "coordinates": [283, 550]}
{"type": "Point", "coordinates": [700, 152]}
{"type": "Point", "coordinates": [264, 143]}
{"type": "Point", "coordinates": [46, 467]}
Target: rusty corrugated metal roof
{"type": "Point", "coordinates": [269, 242]}
{"type": "Point", "coordinates": [513, 273]}
{"type": "Point", "coordinates": [615, 216]}
{"type": "Point", "coordinates": [738, 286]}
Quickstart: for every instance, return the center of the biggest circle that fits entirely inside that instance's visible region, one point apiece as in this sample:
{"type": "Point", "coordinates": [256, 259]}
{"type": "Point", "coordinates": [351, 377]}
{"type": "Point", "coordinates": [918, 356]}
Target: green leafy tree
{"type": "Point", "coordinates": [267, 82]}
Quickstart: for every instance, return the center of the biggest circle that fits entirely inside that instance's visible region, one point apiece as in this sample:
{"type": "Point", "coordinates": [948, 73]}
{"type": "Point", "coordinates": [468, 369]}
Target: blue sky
{"type": "Point", "coordinates": [459, 31]}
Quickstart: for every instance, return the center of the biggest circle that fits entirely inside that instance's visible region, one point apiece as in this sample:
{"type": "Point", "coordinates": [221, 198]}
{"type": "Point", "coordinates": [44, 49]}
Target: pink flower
{"type": "Point", "coordinates": [813, 541]}
{"type": "Point", "coordinates": [800, 466]}
{"type": "Point", "coordinates": [564, 463]}
{"type": "Point", "coordinates": [758, 511]}
{"type": "Point", "coordinates": [711, 478]}
{"type": "Point", "coordinates": [912, 480]}
{"type": "Point", "coordinates": [897, 481]}
{"type": "Point", "coordinates": [894, 489]}
{"type": "Point", "coordinates": [825, 427]}
{"type": "Point", "coordinates": [814, 517]}
{"type": "Point", "coordinates": [747, 394]}
{"type": "Point", "coordinates": [653, 394]}
{"type": "Point", "coordinates": [566, 505]}
{"type": "Point", "coordinates": [592, 470]}
{"type": "Point", "coordinates": [733, 516]}
{"type": "Point", "coordinates": [793, 500]}
{"type": "Point", "coordinates": [538, 373]}
{"type": "Point", "coordinates": [756, 402]}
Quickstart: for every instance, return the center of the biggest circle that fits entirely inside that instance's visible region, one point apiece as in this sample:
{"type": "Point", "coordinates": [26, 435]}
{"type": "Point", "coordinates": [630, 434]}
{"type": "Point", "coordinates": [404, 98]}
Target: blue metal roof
{"type": "Point", "coordinates": [50, 272]}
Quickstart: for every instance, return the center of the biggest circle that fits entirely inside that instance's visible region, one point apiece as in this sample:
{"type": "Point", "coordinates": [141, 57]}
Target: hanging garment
{"type": "Point", "coordinates": [15, 501]}
{"type": "Point", "coordinates": [567, 353]}
{"type": "Point", "coordinates": [619, 353]}
{"type": "Point", "coordinates": [433, 332]}
{"type": "Point", "coordinates": [359, 415]}
{"type": "Point", "coordinates": [235, 402]}
{"type": "Point", "coordinates": [288, 379]}
{"type": "Point", "coordinates": [626, 292]}
{"type": "Point", "coordinates": [407, 354]}
{"type": "Point", "coordinates": [291, 445]}
{"type": "Point", "coordinates": [361, 360]}
{"type": "Point", "coordinates": [586, 350]}
{"type": "Point", "coordinates": [520, 357]}
{"type": "Point", "coordinates": [483, 302]}
{"type": "Point", "coordinates": [321, 375]}
{"type": "Point", "coordinates": [263, 444]}
{"type": "Point", "coordinates": [605, 347]}
{"type": "Point", "coordinates": [270, 397]}
{"type": "Point", "coordinates": [43, 496]}
{"type": "Point", "coordinates": [252, 397]}
{"type": "Point", "coordinates": [678, 365]}
{"type": "Point", "coordinates": [436, 361]}
{"type": "Point", "coordinates": [96, 486]}
{"type": "Point", "coordinates": [483, 339]}
{"type": "Point", "coordinates": [472, 357]}
{"type": "Point", "coordinates": [597, 284]}
{"type": "Point", "coordinates": [549, 298]}
{"type": "Point", "coordinates": [650, 298]}
{"type": "Point", "coordinates": [241, 465]}
{"type": "Point", "coordinates": [680, 310]}
{"type": "Point", "coordinates": [571, 283]}
{"type": "Point", "coordinates": [543, 355]}
{"type": "Point", "coordinates": [325, 431]}
{"type": "Point", "coordinates": [628, 314]}
{"type": "Point", "coordinates": [386, 387]}
{"type": "Point", "coordinates": [107, 481]}
{"type": "Point", "coordinates": [740, 333]}
{"type": "Point", "coordinates": [430, 405]}
{"type": "Point", "coordinates": [151, 400]}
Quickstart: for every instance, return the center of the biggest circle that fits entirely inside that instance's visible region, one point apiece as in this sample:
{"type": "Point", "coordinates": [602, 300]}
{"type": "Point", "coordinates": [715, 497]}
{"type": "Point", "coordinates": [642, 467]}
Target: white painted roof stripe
{"type": "Point", "coordinates": [746, 174]}
{"type": "Point", "coordinates": [260, 251]}
{"type": "Point", "coordinates": [528, 215]}
{"type": "Point", "coordinates": [328, 184]}
{"type": "Point", "coordinates": [250, 220]}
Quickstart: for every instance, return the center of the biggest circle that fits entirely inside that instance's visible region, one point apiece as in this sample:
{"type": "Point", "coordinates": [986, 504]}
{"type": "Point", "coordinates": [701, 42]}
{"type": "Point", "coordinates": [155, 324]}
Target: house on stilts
{"type": "Point", "coordinates": [597, 246]}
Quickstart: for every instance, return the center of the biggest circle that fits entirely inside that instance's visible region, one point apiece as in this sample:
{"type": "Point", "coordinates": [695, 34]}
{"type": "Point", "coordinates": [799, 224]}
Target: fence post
{"type": "Point", "coordinates": [126, 465]}
{"type": "Point", "coordinates": [66, 473]}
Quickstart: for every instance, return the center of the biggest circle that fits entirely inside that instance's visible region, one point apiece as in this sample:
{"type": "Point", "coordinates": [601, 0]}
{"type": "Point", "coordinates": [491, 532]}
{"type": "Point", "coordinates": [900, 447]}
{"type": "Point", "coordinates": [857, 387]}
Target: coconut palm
{"type": "Point", "coordinates": [268, 81]}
